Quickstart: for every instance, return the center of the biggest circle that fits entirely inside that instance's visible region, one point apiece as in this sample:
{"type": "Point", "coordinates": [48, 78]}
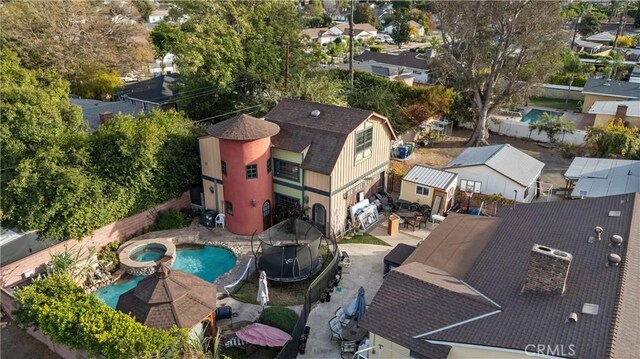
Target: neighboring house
{"type": "Point", "coordinates": [158, 15]}
{"type": "Point", "coordinates": [419, 28]}
{"type": "Point", "coordinates": [604, 37]}
{"type": "Point", "coordinates": [589, 47]}
{"type": "Point", "coordinates": [165, 66]}
{"type": "Point", "coordinates": [96, 112]}
{"type": "Point", "coordinates": [498, 169]}
{"type": "Point", "coordinates": [635, 74]}
{"type": "Point", "coordinates": [324, 36]}
{"type": "Point", "coordinates": [430, 186]}
{"type": "Point", "coordinates": [406, 63]}
{"type": "Point", "coordinates": [608, 90]}
{"type": "Point", "coordinates": [15, 245]}
{"type": "Point", "coordinates": [157, 92]}
{"type": "Point", "coordinates": [632, 54]}
{"type": "Point", "coordinates": [324, 158]}
{"type": "Point", "coordinates": [627, 112]}
{"type": "Point", "coordinates": [599, 177]}
{"type": "Point", "coordinates": [538, 280]}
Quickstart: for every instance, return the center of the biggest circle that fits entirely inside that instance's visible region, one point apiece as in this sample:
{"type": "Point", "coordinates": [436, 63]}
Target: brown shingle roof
{"type": "Point", "coordinates": [324, 135]}
{"type": "Point", "coordinates": [243, 128]}
{"type": "Point", "coordinates": [405, 59]}
{"type": "Point", "coordinates": [169, 298]}
{"type": "Point", "coordinates": [418, 286]}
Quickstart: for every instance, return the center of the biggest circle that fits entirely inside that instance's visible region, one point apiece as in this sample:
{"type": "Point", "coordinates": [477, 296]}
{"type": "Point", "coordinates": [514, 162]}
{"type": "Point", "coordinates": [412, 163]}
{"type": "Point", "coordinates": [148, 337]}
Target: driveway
{"type": "Point", "coordinates": [366, 270]}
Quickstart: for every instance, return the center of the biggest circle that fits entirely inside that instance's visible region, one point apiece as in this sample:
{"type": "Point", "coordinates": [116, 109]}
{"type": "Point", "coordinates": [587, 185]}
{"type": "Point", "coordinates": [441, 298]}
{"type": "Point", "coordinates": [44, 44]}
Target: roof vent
{"type": "Point", "coordinates": [314, 113]}
{"type": "Point", "coordinates": [591, 309]}
{"type": "Point", "coordinates": [613, 260]}
{"type": "Point", "coordinates": [573, 317]}
{"type": "Point", "coordinates": [616, 240]}
{"type": "Point", "coordinates": [614, 213]}
{"type": "Point", "coordinates": [598, 231]}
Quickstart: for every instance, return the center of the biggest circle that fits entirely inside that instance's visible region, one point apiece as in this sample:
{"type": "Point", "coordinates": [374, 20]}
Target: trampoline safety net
{"type": "Point", "coordinates": [289, 251]}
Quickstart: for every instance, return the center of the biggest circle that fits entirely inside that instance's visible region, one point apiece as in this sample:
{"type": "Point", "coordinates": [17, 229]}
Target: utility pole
{"type": "Point", "coordinates": [286, 65]}
{"type": "Point", "coordinates": [351, 44]}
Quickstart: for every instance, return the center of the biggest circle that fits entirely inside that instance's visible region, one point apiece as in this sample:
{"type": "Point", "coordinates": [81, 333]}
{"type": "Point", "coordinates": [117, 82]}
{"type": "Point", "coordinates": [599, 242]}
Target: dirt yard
{"type": "Point", "coordinates": [16, 343]}
{"type": "Point", "coordinates": [440, 154]}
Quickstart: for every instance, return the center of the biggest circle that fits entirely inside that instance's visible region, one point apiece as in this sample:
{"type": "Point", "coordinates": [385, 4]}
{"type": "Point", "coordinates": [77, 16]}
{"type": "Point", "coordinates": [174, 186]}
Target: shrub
{"type": "Point", "coordinates": [279, 317]}
{"type": "Point", "coordinates": [63, 311]}
{"type": "Point", "coordinates": [614, 140]}
{"type": "Point", "coordinates": [375, 48]}
{"type": "Point", "coordinates": [552, 126]}
{"type": "Point", "coordinates": [170, 219]}
{"type": "Point", "coordinates": [626, 41]}
{"type": "Point", "coordinates": [578, 81]}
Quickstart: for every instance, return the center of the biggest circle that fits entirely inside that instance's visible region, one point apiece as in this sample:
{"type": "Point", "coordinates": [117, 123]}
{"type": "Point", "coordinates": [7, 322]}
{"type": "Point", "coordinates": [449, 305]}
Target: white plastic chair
{"type": "Point", "coordinates": [220, 220]}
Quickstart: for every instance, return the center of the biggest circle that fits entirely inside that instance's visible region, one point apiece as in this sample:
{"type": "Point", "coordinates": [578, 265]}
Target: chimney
{"type": "Point", "coordinates": [105, 117]}
{"type": "Point", "coordinates": [547, 270]}
{"type": "Point", "coordinates": [621, 113]}
{"type": "Point", "coordinates": [167, 85]}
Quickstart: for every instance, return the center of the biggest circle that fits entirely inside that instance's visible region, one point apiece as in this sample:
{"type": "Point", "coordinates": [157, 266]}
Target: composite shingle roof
{"type": "Point", "coordinates": [430, 177]}
{"type": "Point", "coordinates": [152, 90]}
{"type": "Point", "coordinates": [622, 89]}
{"type": "Point", "coordinates": [504, 159]}
{"type": "Point", "coordinates": [404, 59]}
{"type": "Point", "coordinates": [323, 134]}
{"type": "Point", "coordinates": [243, 128]}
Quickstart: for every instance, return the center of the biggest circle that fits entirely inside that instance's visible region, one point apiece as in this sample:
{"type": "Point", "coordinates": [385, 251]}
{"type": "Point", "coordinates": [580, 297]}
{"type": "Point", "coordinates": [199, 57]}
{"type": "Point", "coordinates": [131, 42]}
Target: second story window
{"type": "Point", "coordinates": [364, 143]}
{"type": "Point", "coordinates": [223, 165]}
{"type": "Point", "coordinates": [285, 169]}
{"type": "Point", "coordinates": [228, 208]}
{"type": "Point", "coordinates": [269, 165]}
{"type": "Point", "coordinates": [252, 171]}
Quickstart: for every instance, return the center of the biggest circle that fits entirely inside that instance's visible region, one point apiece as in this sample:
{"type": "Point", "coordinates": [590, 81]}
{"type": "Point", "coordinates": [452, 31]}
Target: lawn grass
{"type": "Point", "coordinates": [281, 294]}
{"type": "Point", "coordinates": [365, 238]}
{"type": "Point", "coordinates": [557, 103]}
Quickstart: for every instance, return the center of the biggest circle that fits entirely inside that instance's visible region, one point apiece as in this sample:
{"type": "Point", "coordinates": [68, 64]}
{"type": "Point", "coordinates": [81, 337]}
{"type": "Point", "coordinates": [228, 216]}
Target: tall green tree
{"type": "Point", "coordinates": [363, 13]}
{"type": "Point", "coordinates": [572, 66]}
{"type": "Point", "coordinates": [165, 37]}
{"type": "Point", "coordinates": [614, 140]}
{"type": "Point", "coordinates": [145, 8]}
{"type": "Point", "coordinates": [401, 32]}
{"type": "Point", "coordinates": [495, 51]}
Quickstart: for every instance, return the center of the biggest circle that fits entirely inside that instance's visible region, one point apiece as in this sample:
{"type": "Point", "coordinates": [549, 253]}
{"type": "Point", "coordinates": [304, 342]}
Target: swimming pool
{"type": "Point", "coordinates": [534, 114]}
{"type": "Point", "coordinates": [205, 262]}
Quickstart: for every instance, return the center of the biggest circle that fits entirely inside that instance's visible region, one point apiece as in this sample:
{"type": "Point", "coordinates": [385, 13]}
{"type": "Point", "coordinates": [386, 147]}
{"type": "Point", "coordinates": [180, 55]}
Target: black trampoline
{"type": "Point", "coordinates": [288, 251]}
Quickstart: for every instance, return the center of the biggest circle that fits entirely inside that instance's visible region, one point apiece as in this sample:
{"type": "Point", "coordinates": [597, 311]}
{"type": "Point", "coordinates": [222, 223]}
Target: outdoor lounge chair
{"type": "Point", "coordinates": [342, 316]}
{"type": "Point", "coordinates": [336, 328]}
{"type": "Point", "coordinates": [348, 346]}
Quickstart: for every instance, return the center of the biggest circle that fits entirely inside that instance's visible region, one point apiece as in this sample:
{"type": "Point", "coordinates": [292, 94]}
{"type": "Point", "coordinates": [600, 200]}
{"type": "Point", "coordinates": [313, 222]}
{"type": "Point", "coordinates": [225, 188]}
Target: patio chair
{"type": "Point", "coordinates": [220, 220]}
{"type": "Point", "coordinates": [411, 222]}
{"type": "Point", "coordinates": [421, 220]}
{"type": "Point", "coordinates": [348, 347]}
{"type": "Point", "coordinates": [336, 328]}
{"type": "Point", "coordinates": [345, 262]}
{"type": "Point", "coordinates": [342, 316]}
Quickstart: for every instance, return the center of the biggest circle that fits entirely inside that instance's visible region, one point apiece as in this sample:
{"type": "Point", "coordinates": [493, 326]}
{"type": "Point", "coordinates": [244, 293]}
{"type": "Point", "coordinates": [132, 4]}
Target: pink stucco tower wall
{"type": "Point", "coordinates": [247, 195]}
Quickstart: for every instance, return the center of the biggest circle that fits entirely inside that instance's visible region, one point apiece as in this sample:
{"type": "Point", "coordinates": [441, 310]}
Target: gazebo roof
{"type": "Point", "coordinates": [169, 298]}
{"type": "Point", "coordinates": [243, 128]}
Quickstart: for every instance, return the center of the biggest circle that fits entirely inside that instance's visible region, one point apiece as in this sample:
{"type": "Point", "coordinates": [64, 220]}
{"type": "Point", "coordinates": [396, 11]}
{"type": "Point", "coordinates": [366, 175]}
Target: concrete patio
{"type": "Point", "coordinates": [366, 270]}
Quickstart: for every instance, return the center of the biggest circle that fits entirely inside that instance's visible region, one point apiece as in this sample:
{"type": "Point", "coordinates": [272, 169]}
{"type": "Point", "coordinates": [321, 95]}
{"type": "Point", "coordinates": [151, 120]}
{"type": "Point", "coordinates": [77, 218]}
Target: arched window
{"type": "Point", "coordinates": [319, 214]}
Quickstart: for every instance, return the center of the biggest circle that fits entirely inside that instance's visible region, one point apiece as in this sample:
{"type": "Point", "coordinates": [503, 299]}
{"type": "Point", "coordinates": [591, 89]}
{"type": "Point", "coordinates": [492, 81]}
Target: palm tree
{"type": "Point", "coordinates": [571, 66]}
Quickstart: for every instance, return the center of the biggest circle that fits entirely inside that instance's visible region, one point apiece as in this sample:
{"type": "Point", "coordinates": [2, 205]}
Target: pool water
{"type": "Point", "coordinates": [205, 262]}
{"type": "Point", "coordinates": [148, 254]}
{"type": "Point", "coordinates": [533, 115]}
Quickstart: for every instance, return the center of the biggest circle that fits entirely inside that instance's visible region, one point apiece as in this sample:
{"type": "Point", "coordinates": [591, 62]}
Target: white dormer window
{"type": "Point", "coordinates": [364, 143]}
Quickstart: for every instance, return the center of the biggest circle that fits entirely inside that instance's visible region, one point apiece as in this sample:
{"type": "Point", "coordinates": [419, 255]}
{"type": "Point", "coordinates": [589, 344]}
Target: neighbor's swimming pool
{"type": "Point", "coordinates": [205, 262]}
{"type": "Point", "coordinates": [534, 114]}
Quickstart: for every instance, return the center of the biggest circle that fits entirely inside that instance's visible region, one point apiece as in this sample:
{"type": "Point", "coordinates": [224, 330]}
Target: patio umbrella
{"type": "Point", "coordinates": [263, 335]}
{"type": "Point", "coordinates": [361, 305]}
{"type": "Point", "coordinates": [263, 290]}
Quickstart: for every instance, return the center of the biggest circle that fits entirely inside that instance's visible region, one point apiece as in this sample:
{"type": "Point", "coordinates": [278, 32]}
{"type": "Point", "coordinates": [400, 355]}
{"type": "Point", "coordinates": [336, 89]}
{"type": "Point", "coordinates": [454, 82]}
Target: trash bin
{"type": "Point", "coordinates": [394, 225]}
{"type": "Point", "coordinates": [208, 218]}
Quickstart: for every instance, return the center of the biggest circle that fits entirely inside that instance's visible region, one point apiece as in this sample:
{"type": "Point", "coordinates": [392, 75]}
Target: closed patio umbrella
{"type": "Point", "coordinates": [263, 290]}
{"type": "Point", "coordinates": [263, 335]}
{"type": "Point", "coordinates": [361, 305]}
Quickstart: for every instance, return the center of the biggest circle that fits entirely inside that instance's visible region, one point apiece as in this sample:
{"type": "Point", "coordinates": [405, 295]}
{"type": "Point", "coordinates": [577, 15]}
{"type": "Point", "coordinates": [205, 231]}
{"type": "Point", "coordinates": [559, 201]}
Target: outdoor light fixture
{"type": "Point", "coordinates": [254, 202]}
{"type": "Point", "coordinates": [211, 189]}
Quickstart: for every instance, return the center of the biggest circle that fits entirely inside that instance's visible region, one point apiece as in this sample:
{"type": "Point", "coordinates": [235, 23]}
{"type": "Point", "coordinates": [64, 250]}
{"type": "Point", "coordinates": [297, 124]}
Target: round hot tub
{"type": "Point", "coordinates": [142, 257]}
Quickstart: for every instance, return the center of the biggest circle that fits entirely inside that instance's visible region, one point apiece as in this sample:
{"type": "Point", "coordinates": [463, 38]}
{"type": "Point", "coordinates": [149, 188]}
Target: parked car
{"type": "Point", "coordinates": [384, 38]}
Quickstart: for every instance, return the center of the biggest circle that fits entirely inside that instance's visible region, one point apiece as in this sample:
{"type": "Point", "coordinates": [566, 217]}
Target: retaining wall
{"type": "Point", "coordinates": [12, 273]}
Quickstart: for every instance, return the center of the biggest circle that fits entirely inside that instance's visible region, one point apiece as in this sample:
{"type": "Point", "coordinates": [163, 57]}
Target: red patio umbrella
{"type": "Point", "coordinates": [263, 335]}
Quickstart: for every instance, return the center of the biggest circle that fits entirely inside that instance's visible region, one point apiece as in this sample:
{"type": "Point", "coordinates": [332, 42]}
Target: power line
{"type": "Point", "coordinates": [229, 113]}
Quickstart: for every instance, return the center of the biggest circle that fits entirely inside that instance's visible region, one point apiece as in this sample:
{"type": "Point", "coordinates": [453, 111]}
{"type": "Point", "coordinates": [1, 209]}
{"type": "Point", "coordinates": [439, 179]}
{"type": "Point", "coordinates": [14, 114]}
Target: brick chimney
{"type": "Point", "coordinates": [547, 270]}
{"type": "Point", "coordinates": [106, 117]}
{"type": "Point", "coordinates": [621, 113]}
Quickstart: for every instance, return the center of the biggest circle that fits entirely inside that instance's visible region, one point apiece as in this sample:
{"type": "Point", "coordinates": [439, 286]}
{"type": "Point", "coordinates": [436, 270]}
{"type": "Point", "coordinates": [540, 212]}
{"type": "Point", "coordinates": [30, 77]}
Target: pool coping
{"type": "Point", "coordinates": [135, 268]}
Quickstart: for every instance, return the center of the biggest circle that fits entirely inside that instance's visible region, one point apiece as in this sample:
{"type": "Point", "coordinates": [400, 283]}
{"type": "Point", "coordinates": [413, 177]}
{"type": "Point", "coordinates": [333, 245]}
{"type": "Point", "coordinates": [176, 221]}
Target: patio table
{"type": "Point", "coordinates": [352, 332]}
{"type": "Point", "coordinates": [405, 214]}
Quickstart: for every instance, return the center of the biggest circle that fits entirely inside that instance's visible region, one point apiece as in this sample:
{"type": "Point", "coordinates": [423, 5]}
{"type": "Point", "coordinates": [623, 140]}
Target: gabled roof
{"type": "Point", "coordinates": [622, 89]}
{"type": "Point", "coordinates": [404, 59]}
{"type": "Point", "coordinates": [588, 44]}
{"type": "Point", "coordinates": [418, 286]}
{"type": "Point", "coordinates": [498, 272]}
{"type": "Point", "coordinates": [601, 36]}
{"type": "Point", "coordinates": [324, 135]}
{"type": "Point", "coordinates": [504, 159]}
{"type": "Point", "coordinates": [599, 177]}
{"type": "Point", "coordinates": [151, 90]}
{"type": "Point", "coordinates": [610, 107]}
{"type": "Point", "coordinates": [430, 177]}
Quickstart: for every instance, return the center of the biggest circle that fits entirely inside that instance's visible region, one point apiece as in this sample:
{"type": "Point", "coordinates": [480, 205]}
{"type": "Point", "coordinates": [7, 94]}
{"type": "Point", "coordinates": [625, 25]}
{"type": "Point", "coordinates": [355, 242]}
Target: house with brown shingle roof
{"type": "Point", "coordinates": [326, 35]}
{"type": "Point", "coordinates": [552, 280]}
{"type": "Point", "coordinates": [321, 157]}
